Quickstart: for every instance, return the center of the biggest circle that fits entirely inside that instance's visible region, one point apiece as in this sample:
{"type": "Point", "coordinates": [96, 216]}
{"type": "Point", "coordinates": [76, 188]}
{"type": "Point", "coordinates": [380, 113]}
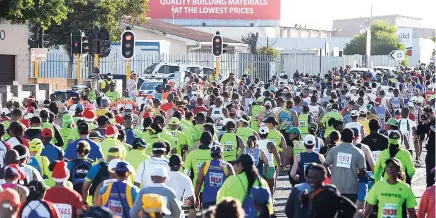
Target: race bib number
{"type": "Point", "coordinates": [115, 207]}
{"type": "Point", "coordinates": [215, 179]}
{"type": "Point", "coordinates": [343, 160]}
{"type": "Point", "coordinates": [389, 211]}
{"type": "Point", "coordinates": [176, 139]}
{"type": "Point", "coordinates": [229, 146]}
{"type": "Point", "coordinates": [64, 210]}
{"type": "Point", "coordinates": [302, 123]}
{"type": "Point", "coordinates": [376, 155]}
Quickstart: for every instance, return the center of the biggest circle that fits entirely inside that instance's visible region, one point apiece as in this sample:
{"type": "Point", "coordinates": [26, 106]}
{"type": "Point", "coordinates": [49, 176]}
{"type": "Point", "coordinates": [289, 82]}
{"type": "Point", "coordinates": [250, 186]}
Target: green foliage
{"type": "Point", "coordinates": [34, 12]}
{"type": "Point", "coordinates": [274, 53]}
{"type": "Point", "coordinates": [383, 40]}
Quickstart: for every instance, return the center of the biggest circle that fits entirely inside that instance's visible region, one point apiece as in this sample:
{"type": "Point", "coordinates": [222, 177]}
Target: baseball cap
{"type": "Point", "coordinates": [47, 133]}
{"type": "Point", "coordinates": [216, 149]}
{"type": "Point", "coordinates": [313, 126]}
{"type": "Point", "coordinates": [259, 100]}
{"type": "Point", "coordinates": [410, 104]}
{"type": "Point", "coordinates": [154, 203]}
{"type": "Point", "coordinates": [174, 121]}
{"type": "Point", "coordinates": [309, 140]}
{"type": "Point", "coordinates": [114, 151]}
{"type": "Point", "coordinates": [139, 142]}
{"type": "Point", "coordinates": [362, 110]}
{"type": "Point", "coordinates": [36, 145]}
{"type": "Point", "coordinates": [159, 146]}
{"type": "Point", "coordinates": [159, 171]}
{"type": "Point", "coordinates": [392, 122]}
{"type": "Point", "coordinates": [354, 113]}
{"type": "Point", "coordinates": [395, 161]}
{"type": "Point", "coordinates": [263, 130]}
{"type": "Point", "coordinates": [113, 164]}
{"type": "Point", "coordinates": [122, 167]}
{"type": "Point", "coordinates": [271, 120]}
{"type": "Point", "coordinates": [394, 138]}
{"type": "Point", "coordinates": [16, 171]}
{"type": "Point", "coordinates": [293, 130]}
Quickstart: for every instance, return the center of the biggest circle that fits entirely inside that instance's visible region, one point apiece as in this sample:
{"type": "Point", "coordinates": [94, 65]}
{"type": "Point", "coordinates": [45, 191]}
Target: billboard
{"type": "Point", "coordinates": [406, 37]}
{"type": "Point", "coordinates": [215, 9]}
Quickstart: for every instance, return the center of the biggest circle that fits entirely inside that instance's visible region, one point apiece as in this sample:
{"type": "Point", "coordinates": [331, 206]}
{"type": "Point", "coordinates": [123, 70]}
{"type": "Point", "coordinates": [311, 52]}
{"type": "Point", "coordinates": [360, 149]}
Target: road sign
{"type": "Point", "coordinates": [38, 54]}
{"type": "Point", "coordinates": [397, 55]}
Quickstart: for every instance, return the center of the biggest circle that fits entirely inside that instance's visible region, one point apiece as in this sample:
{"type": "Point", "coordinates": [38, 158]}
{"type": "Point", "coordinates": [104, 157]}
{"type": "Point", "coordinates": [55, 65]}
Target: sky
{"type": "Point", "coordinates": [321, 13]}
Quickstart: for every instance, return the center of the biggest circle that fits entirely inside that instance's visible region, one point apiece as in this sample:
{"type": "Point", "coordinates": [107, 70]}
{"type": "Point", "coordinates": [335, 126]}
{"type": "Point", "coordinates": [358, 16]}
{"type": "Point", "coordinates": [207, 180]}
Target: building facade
{"type": "Point", "coordinates": [13, 54]}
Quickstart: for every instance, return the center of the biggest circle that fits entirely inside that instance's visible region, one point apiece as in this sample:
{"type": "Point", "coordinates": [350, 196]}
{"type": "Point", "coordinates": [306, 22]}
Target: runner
{"type": "Point", "coordinates": [40, 163]}
{"type": "Point", "coordinates": [261, 161]}
{"type": "Point", "coordinates": [232, 144]}
{"type": "Point", "coordinates": [68, 202]}
{"type": "Point", "coordinates": [390, 200]}
{"type": "Point", "coordinates": [303, 159]}
{"type": "Point", "coordinates": [274, 161]}
{"type": "Point", "coordinates": [35, 205]}
{"type": "Point", "coordinates": [143, 177]}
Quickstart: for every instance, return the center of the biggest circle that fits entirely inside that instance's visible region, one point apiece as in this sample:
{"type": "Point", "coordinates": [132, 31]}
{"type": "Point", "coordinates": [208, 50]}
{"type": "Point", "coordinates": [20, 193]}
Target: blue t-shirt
{"type": "Point", "coordinates": [92, 173]}
{"type": "Point", "coordinates": [130, 136]}
{"type": "Point", "coordinates": [52, 152]}
{"type": "Point", "coordinates": [94, 154]}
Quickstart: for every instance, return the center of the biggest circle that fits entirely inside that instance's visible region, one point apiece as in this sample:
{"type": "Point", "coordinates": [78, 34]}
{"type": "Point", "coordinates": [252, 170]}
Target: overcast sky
{"type": "Point", "coordinates": [318, 13]}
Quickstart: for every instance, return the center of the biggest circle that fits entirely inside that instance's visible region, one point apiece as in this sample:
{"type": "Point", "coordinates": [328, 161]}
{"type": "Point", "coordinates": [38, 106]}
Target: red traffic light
{"type": "Point", "coordinates": [76, 44]}
{"type": "Point", "coordinates": [128, 37]}
{"type": "Point", "coordinates": [217, 40]}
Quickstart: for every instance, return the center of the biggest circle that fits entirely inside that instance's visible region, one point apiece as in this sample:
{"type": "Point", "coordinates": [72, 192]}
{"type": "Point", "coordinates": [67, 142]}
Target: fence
{"type": "Point", "coordinates": [261, 66]}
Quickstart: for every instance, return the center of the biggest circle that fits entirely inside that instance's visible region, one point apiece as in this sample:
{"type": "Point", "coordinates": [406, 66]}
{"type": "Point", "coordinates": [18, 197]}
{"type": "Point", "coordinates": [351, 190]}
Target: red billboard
{"type": "Point", "coordinates": [215, 9]}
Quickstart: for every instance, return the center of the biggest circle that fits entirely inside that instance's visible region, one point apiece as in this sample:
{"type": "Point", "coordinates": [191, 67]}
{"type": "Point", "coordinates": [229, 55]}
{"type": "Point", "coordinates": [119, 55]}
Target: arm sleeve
{"type": "Point", "coordinates": [139, 174]}
{"type": "Point", "coordinates": [411, 200]}
{"type": "Point", "coordinates": [58, 136]}
{"type": "Point", "coordinates": [423, 206]}
{"type": "Point", "coordinates": [136, 205]}
{"type": "Point", "coordinates": [92, 173]}
{"type": "Point", "coordinates": [175, 207]}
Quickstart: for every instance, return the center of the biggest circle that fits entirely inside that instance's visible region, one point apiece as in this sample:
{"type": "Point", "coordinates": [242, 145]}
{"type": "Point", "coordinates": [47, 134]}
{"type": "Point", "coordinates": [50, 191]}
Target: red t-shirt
{"type": "Point", "coordinates": [167, 106]}
{"type": "Point", "coordinates": [66, 200]}
{"type": "Point", "coordinates": [197, 110]}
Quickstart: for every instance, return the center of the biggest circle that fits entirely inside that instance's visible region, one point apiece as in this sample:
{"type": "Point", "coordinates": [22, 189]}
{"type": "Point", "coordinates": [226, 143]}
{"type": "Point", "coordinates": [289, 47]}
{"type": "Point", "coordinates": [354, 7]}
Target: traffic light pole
{"type": "Point", "coordinates": [127, 70]}
{"type": "Point", "coordinates": [35, 69]}
{"type": "Point", "coordinates": [78, 66]}
{"type": "Point", "coordinates": [217, 68]}
{"type": "Point", "coordinates": [96, 61]}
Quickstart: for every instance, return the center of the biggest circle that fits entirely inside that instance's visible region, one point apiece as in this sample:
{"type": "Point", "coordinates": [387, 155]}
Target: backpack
{"type": "Point", "coordinates": [102, 175]}
{"type": "Point", "coordinates": [79, 170]}
{"type": "Point", "coordinates": [33, 213]}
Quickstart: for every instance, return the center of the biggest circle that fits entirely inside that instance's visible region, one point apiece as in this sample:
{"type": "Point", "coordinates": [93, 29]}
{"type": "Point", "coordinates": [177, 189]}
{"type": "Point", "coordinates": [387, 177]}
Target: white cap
{"type": "Point", "coordinates": [159, 171]}
{"type": "Point", "coordinates": [414, 99]}
{"type": "Point", "coordinates": [309, 140]}
{"type": "Point", "coordinates": [353, 88]}
{"type": "Point", "coordinates": [112, 165]}
{"type": "Point", "coordinates": [354, 113]}
{"type": "Point", "coordinates": [362, 110]}
{"type": "Point", "coordinates": [263, 130]}
{"type": "Point", "coordinates": [129, 107]}
{"type": "Point", "coordinates": [410, 104]}
{"type": "Point", "coordinates": [193, 98]}
{"type": "Point", "coordinates": [268, 102]}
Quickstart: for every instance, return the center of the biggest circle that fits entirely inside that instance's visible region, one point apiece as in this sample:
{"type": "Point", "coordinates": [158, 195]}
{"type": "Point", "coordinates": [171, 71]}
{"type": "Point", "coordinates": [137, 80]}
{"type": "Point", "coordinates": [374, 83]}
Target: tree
{"type": "Point", "coordinates": [33, 12]}
{"type": "Point", "coordinates": [384, 40]}
{"type": "Point", "coordinates": [85, 15]}
{"type": "Point", "coordinates": [251, 40]}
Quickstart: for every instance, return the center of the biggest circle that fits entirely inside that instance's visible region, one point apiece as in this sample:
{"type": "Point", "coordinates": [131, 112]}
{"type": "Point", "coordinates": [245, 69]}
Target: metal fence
{"type": "Point", "coordinates": [262, 66]}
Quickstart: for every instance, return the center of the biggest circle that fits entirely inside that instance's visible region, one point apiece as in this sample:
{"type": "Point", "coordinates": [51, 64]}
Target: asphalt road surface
{"type": "Point", "coordinates": [284, 187]}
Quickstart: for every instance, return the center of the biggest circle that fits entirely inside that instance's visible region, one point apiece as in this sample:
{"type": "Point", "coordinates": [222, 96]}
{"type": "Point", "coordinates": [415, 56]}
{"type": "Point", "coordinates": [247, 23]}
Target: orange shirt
{"type": "Point", "coordinates": [165, 95]}
{"type": "Point", "coordinates": [167, 106]}
{"type": "Point", "coordinates": [427, 205]}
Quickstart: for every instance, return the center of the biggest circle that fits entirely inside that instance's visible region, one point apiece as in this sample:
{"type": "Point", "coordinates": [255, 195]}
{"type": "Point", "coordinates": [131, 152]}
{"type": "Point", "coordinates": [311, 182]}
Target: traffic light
{"type": "Point", "coordinates": [41, 42]}
{"type": "Point", "coordinates": [104, 47]}
{"type": "Point", "coordinates": [76, 43]}
{"type": "Point", "coordinates": [217, 45]}
{"type": "Point", "coordinates": [86, 45]}
{"type": "Point", "coordinates": [127, 44]}
{"type": "Point", "coordinates": [33, 39]}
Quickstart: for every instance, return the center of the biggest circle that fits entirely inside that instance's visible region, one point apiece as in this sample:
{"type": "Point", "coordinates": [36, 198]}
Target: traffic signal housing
{"type": "Point", "coordinates": [86, 45]}
{"type": "Point", "coordinates": [217, 45]}
{"type": "Point", "coordinates": [76, 44]}
{"type": "Point", "coordinates": [104, 47]}
{"type": "Point", "coordinates": [36, 39]}
{"type": "Point", "coordinates": [127, 44]}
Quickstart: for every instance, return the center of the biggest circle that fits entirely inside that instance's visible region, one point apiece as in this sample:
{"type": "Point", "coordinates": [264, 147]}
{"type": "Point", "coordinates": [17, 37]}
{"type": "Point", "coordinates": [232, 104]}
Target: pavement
{"type": "Point", "coordinates": [284, 187]}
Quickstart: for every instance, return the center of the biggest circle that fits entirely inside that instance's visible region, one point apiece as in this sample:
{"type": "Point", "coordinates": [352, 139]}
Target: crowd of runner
{"type": "Point", "coordinates": [349, 142]}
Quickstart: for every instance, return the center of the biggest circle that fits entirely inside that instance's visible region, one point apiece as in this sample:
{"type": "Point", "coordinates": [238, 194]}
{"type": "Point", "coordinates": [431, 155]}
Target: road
{"type": "Point", "coordinates": [283, 188]}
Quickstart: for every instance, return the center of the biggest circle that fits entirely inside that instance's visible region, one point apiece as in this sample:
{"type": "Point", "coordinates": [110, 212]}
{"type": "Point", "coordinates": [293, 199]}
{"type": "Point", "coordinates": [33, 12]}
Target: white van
{"type": "Point", "coordinates": [167, 70]}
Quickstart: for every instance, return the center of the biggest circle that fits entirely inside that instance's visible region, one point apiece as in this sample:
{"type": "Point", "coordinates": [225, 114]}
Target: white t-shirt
{"type": "Point", "coordinates": [143, 175]}
{"type": "Point", "coordinates": [406, 127]}
{"type": "Point", "coordinates": [13, 141]}
{"type": "Point", "coordinates": [181, 184]}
